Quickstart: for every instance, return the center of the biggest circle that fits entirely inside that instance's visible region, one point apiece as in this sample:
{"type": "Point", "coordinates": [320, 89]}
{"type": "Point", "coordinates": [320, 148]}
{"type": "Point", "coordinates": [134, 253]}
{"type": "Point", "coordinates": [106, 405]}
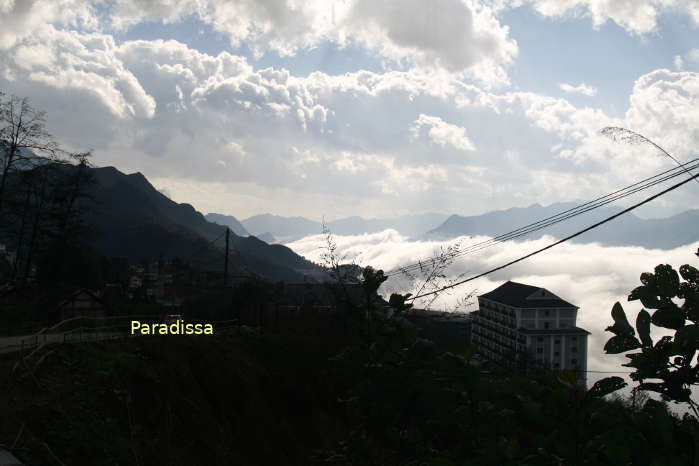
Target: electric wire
{"type": "Point", "coordinates": [565, 215]}
{"type": "Point", "coordinates": [629, 209]}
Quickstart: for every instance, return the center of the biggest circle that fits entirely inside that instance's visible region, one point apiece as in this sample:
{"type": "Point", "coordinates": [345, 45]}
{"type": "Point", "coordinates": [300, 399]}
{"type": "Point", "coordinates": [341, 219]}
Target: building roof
{"type": "Point", "coordinates": [525, 296]}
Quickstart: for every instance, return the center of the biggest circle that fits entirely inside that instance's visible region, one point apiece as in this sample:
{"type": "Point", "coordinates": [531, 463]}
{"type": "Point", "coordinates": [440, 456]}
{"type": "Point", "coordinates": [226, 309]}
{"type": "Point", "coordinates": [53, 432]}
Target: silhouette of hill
{"type": "Point", "coordinates": [627, 230]}
{"type": "Point", "coordinates": [291, 228]}
{"type": "Point", "coordinates": [132, 219]}
{"type": "Point", "coordinates": [229, 221]}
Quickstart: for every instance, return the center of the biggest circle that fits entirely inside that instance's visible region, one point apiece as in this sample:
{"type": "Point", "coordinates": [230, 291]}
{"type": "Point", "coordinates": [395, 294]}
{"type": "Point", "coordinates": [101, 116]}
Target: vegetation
{"type": "Point", "coordinates": [671, 358]}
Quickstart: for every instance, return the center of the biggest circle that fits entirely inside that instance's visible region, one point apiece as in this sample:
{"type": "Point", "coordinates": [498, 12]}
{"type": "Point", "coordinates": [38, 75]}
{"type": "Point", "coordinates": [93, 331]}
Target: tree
{"type": "Point", "coordinates": [24, 141]}
{"type": "Point", "coordinates": [671, 358]}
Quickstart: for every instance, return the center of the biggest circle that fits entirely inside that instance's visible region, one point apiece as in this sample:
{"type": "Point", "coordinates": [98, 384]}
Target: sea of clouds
{"type": "Point", "coordinates": [591, 276]}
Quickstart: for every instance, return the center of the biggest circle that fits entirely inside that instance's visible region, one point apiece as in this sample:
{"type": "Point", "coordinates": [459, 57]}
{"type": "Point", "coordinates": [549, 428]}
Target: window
{"type": "Point", "coordinates": [574, 349]}
{"type": "Point", "coordinates": [540, 350]}
{"type": "Point", "coordinates": [546, 313]}
{"type": "Point", "coordinates": [574, 361]}
{"type": "Point", "coordinates": [556, 365]}
{"type": "Point", "coordinates": [557, 341]}
{"type": "Point", "coordinates": [575, 338]}
{"type": "Point", "coordinates": [546, 325]}
{"type": "Point", "coordinates": [540, 339]}
{"type": "Point", "coordinates": [556, 353]}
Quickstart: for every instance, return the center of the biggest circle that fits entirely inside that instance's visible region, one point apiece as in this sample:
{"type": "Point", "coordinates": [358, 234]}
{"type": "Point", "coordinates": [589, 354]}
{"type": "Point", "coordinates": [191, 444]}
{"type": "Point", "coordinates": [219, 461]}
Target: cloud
{"type": "Point", "coordinates": [457, 36]}
{"type": "Point", "coordinates": [362, 142]}
{"type": "Point", "coordinates": [442, 133]}
{"type": "Point", "coordinates": [693, 55]}
{"type": "Point", "coordinates": [582, 88]}
{"type": "Point", "coordinates": [635, 17]}
{"type": "Point", "coordinates": [678, 62]}
{"type": "Point", "coordinates": [591, 276]}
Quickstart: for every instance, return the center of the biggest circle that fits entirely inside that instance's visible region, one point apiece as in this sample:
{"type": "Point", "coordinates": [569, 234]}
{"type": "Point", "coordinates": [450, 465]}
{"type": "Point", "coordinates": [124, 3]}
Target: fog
{"type": "Point", "coordinates": [591, 276]}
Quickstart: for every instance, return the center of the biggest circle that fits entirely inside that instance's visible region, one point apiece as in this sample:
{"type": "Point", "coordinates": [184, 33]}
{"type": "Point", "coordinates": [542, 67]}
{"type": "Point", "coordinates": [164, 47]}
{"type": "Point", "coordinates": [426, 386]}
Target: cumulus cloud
{"type": "Point", "coordinates": [442, 133]}
{"type": "Point", "coordinates": [591, 276]}
{"type": "Point", "coordinates": [358, 142]}
{"type": "Point", "coordinates": [582, 88]}
{"type": "Point", "coordinates": [635, 17]}
{"type": "Point", "coordinates": [460, 36]}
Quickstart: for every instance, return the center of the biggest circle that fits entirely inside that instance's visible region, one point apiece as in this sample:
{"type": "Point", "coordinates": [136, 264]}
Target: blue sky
{"type": "Point", "coordinates": [358, 107]}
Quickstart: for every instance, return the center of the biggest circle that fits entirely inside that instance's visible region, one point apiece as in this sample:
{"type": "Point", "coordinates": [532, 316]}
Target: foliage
{"type": "Point", "coordinates": [671, 359]}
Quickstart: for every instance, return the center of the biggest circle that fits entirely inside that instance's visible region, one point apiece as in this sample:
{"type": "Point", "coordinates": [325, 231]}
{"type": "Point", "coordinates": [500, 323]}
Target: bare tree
{"type": "Point", "coordinates": [24, 141]}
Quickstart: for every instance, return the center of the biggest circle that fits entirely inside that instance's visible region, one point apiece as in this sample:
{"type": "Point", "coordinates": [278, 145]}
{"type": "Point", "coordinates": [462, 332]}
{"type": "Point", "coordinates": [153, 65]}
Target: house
{"type": "Point", "coordinates": [517, 323]}
{"type": "Point", "coordinates": [80, 303]}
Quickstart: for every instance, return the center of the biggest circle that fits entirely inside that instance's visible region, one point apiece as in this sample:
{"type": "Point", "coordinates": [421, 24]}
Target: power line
{"type": "Point", "coordinates": [629, 209]}
{"type": "Point", "coordinates": [565, 215]}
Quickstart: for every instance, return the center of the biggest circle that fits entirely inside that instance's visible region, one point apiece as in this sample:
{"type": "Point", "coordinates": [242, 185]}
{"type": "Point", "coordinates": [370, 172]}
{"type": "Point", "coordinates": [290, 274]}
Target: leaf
{"type": "Point", "coordinates": [689, 273]}
{"type": "Point", "coordinates": [648, 298]}
{"type": "Point", "coordinates": [669, 316]}
{"type": "Point", "coordinates": [643, 327]}
{"type": "Point", "coordinates": [620, 344]}
{"type": "Point", "coordinates": [621, 325]}
{"type": "Point", "coordinates": [606, 386]}
{"type": "Point", "coordinates": [687, 338]}
{"type": "Point", "coordinates": [469, 352]}
{"type": "Point", "coordinates": [667, 281]}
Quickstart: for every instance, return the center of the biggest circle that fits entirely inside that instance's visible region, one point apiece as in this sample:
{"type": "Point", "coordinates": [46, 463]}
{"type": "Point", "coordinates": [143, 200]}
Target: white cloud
{"type": "Point", "coordinates": [413, 139]}
{"type": "Point", "coordinates": [581, 88]}
{"type": "Point", "coordinates": [459, 36]}
{"type": "Point", "coordinates": [634, 16]}
{"type": "Point", "coordinates": [678, 62]}
{"type": "Point", "coordinates": [590, 276]}
{"type": "Point", "coordinates": [442, 133]}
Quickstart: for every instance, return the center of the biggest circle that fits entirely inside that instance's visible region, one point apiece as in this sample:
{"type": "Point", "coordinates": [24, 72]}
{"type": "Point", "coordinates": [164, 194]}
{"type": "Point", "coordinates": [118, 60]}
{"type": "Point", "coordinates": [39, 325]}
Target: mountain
{"type": "Point", "coordinates": [283, 228]}
{"type": "Point", "coordinates": [267, 237]}
{"type": "Point", "coordinates": [229, 221]}
{"type": "Point", "coordinates": [291, 228]}
{"type": "Point", "coordinates": [132, 219]}
{"type": "Point", "coordinates": [626, 230]}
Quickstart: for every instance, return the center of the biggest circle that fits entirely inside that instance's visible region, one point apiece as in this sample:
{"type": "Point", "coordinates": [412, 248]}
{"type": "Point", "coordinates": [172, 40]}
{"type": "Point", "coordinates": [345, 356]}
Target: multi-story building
{"type": "Point", "coordinates": [518, 323]}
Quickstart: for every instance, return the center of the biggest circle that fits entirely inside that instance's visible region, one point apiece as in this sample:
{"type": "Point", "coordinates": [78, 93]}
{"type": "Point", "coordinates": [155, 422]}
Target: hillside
{"type": "Point", "coordinates": [132, 219]}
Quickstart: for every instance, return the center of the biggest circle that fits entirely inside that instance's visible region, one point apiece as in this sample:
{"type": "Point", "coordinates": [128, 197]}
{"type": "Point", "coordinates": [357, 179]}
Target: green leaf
{"type": "Point", "coordinates": [621, 325]}
{"type": "Point", "coordinates": [606, 386]}
{"type": "Point", "coordinates": [620, 344]}
{"type": "Point", "coordinates": [469, 352]}
{"type": "Point", "coordinates": [643, 327]}
{"type": "Point", "coordinates": [667, 281]}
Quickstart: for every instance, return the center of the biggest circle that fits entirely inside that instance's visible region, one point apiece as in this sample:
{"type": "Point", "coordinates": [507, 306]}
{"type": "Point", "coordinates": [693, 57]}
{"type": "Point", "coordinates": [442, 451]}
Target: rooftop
{"type": "Point", "coordinates": [525, 296]}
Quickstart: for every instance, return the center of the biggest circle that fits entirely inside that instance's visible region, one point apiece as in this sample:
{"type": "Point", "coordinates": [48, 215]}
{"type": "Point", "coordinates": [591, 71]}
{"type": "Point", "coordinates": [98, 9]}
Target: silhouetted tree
{"type": "Point", "coordinates": [24, 141]}
{"type": "Point", "coordinates": [671, 359]}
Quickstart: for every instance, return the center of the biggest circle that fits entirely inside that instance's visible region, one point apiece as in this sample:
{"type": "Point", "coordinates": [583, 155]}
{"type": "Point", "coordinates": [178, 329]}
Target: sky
{"type": "Point", "coordinates": [374, 108]}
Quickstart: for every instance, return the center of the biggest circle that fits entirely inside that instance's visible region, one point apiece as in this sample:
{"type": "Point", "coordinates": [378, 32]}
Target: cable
{"type": "Point", "coordinates": [549, 221]}
{"type": "Point", "coordinates": [578, 210]}
{"type": "Point", "coordinates": [629, 209]}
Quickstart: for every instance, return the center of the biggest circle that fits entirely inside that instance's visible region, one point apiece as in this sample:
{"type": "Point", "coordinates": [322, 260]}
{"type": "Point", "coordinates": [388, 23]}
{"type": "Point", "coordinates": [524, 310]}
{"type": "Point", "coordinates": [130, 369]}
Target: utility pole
{"type": "Point", "coordinates": [225, 264]}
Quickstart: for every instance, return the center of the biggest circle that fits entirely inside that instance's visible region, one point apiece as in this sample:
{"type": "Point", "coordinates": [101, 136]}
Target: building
{"type": "Point", "coordinates": [518, 324]}
{"type": "Point", "coordinates": [80, 303]}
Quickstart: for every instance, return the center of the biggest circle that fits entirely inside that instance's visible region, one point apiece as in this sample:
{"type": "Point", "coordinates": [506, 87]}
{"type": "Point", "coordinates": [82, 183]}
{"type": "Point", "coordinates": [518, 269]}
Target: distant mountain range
{"type": "Point", "coordinates": [286, 229]}
{"type": "Point", "coordinates": [132, 219]}
{"type": "Point", "coordinates": [626, 230]}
